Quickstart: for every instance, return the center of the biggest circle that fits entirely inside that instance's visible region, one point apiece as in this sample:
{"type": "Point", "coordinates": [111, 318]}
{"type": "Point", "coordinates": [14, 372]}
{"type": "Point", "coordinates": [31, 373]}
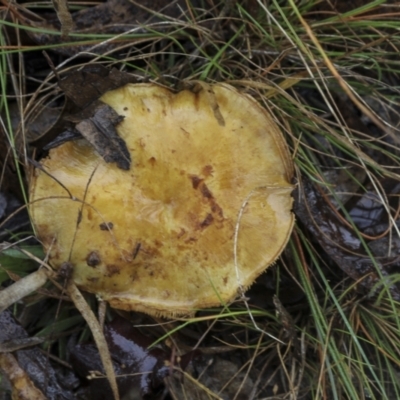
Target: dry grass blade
{"type": "Point", "coordinates": [63, 14]}
{"type": "Point", "coordinates": [97, 333]}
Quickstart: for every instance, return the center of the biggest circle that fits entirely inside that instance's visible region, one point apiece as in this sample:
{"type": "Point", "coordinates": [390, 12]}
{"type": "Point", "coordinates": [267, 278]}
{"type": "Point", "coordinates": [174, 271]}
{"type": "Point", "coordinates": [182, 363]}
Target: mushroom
{"type": "Point", "coordinates": [203, 210]}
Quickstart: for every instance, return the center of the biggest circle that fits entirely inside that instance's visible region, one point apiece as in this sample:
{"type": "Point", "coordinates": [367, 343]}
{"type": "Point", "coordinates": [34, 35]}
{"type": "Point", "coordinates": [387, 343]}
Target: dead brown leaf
{"type": "Point", "coordinates": [100, 131]}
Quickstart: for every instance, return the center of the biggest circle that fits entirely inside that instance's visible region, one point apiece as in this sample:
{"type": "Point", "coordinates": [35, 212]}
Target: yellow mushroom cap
{"type": "Point", "coordinates": [203, 210]}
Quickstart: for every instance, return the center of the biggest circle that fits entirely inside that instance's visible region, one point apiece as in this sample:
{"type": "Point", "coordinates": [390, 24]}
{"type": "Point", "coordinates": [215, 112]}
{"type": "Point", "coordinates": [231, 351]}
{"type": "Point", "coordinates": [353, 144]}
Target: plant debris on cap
{"type": "Point", "coordinates": [203, 210]}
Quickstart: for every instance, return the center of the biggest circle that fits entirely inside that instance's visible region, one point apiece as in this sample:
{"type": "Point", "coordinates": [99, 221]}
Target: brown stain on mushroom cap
{"type": "Point", "coordinates": [209, 204]}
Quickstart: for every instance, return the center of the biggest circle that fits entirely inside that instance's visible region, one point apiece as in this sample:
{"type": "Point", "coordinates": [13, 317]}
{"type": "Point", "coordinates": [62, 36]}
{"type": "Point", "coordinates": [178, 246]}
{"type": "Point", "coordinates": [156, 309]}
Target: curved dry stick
{"type": "Point", "coordinates": [22, 288]}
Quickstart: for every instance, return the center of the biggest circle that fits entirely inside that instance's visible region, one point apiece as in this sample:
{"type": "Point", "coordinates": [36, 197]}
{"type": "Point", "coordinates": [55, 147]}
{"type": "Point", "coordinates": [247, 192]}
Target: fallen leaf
{"type": "Point", "coordinates": [137, 368]}
{"type": "Point", "coordinates": [341, 243]}
{"type": "Point", "coordinates": [100, 131]}
{"type": "Point", "coordinates": [83, 86]}
{"type": "Point", "coordinates": [84, 115]}
{"type": "Point", "coordinates": [36, 375]}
